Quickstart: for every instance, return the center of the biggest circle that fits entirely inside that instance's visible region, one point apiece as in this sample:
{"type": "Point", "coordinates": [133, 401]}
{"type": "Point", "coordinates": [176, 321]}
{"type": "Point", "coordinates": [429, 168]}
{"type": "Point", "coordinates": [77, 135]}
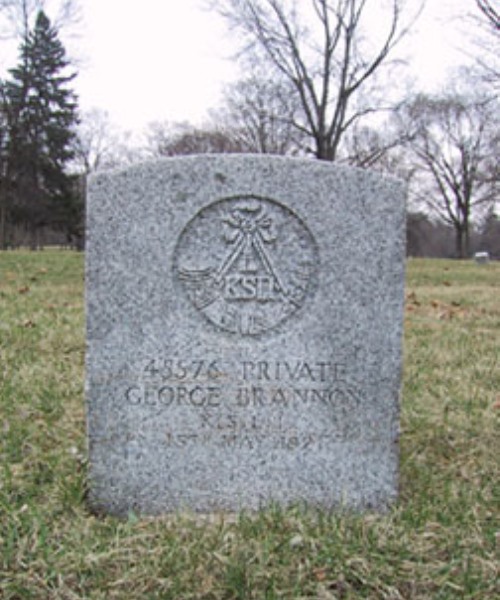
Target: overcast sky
{"type": "Point", "coordinates": [153, 60]}
{"type": "Point", "coordinates": [168, 59]}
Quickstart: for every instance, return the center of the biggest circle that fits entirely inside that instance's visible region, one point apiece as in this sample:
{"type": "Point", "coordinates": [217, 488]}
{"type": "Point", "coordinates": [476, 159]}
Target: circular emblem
{"type": "Point", "coordinates": [246, 263]}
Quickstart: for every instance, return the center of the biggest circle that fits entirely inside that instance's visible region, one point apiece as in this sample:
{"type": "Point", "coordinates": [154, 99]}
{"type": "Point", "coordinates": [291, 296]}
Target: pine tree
{"type": "Point", "coordinates": [42, 115]}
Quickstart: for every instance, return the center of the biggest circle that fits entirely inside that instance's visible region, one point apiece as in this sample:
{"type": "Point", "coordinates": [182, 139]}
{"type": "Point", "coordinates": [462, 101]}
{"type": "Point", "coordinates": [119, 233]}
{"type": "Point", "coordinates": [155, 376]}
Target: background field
{"type": "Point", "coordinates": [442, 540]}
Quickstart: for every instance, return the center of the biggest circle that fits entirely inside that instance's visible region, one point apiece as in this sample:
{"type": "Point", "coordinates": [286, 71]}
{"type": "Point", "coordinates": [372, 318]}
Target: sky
{"type": "Point", "coordinates": [168, 60]}
{"type": "Point", "coordinates": [153, 60]}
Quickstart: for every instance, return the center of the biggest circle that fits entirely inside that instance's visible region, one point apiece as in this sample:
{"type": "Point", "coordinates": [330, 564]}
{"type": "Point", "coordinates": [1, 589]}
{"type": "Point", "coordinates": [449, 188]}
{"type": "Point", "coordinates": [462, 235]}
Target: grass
{"type": "Point", "coordinates": [440, 541]}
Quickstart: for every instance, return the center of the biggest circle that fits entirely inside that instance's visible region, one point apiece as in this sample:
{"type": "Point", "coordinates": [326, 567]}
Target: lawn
{"type": "Point", "coordinates": [441, 540]}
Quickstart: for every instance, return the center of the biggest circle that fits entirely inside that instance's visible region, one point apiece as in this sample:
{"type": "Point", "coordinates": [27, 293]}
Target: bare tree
{"type": "Point", "coordinates": [258, 112]}
{"type": "Point", "coordinates": [98, 143]}
{"type": "Point", "coordinates": [456, 156]}
{"type": "Point", "coordinates": [324, 52]}
{"type": "Point", "coordinates": [377, 147]}
{"type": "Point", "coordinates": [16, 16]}
{"type": "Point", "coordinates": [485, 34]}
{"type": "Point", "coordinates": [176, 139]}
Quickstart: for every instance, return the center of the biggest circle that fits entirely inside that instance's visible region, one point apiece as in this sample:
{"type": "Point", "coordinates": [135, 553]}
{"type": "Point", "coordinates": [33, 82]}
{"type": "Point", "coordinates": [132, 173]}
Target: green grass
{"type": "Point", "coordinates": [440, 541]}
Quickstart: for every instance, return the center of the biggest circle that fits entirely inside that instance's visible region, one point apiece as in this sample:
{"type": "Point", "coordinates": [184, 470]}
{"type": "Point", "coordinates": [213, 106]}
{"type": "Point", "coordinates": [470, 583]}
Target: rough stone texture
{"type": "Point", "coordinates": [244, 321]}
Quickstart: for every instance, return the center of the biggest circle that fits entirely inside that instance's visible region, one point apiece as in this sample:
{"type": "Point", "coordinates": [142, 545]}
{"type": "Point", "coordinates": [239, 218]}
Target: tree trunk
{"type": "Point", "coordinates": [462, 242]}
{"type": "Point", "coordinates": [3, 211]}
{"type": "Point", "coordinates": [3, 227]}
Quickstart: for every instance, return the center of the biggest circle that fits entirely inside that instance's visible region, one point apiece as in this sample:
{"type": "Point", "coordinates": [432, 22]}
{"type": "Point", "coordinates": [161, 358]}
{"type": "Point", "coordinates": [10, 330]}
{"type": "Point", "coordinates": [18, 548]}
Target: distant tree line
{"type": "Point", "coordinates": [432, 238]}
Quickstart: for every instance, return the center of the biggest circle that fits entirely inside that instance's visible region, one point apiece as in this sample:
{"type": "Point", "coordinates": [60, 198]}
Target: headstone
{"type": "Point", "coordinates": [482, 258]}
{"type": "Point", "coordinates": [244, 322]}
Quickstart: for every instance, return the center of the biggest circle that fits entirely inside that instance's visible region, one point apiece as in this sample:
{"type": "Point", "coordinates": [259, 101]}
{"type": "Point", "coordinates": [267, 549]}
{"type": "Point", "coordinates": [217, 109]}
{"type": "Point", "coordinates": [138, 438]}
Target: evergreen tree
{"type": "Point", "coordinates": [41, 116]}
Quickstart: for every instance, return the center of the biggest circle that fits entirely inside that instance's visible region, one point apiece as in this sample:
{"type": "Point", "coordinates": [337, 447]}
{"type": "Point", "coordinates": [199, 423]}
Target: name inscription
{"type": "Point", "coordinates": [196, 396]}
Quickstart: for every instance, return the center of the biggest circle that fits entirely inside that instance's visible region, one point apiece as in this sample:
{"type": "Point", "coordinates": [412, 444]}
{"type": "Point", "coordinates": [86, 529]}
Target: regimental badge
{"type": "Point", "coordinates": [246, 263]}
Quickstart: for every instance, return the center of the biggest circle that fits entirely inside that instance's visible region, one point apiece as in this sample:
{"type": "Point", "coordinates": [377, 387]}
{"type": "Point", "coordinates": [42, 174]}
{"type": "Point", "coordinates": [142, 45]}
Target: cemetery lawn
{"type": "Point", "coordinates": [441, 540]}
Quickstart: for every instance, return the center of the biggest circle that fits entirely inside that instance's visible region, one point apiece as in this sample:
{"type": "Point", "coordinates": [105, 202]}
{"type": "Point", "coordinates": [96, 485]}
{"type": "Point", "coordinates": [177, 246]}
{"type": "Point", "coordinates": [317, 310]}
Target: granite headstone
{"type": "Point", "coordinates": [244, 325]}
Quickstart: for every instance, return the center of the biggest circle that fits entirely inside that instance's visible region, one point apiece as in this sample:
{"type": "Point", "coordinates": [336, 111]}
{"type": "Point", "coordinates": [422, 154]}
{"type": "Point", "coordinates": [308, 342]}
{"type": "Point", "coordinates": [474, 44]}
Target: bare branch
{"type": "Point", "coordinates": [490, 12]}
{"type": "Point", "coordinates": [320, 50]}
{"type": "Point", "coordinates": [454, 143]}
